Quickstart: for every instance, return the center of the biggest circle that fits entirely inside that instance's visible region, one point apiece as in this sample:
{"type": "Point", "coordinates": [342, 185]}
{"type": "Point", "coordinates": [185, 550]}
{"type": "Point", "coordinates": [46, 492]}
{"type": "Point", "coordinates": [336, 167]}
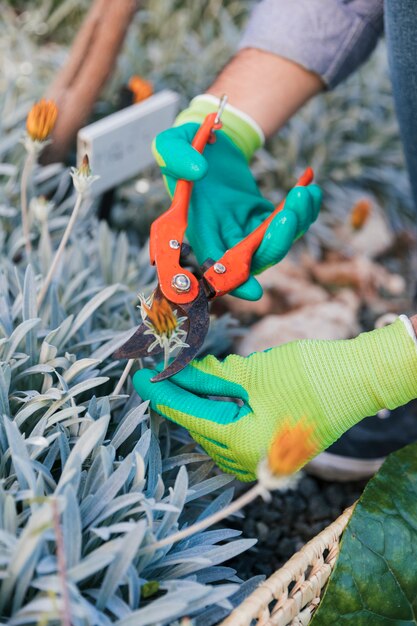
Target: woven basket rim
{"type": "Point", "coordinates": [309, 569]}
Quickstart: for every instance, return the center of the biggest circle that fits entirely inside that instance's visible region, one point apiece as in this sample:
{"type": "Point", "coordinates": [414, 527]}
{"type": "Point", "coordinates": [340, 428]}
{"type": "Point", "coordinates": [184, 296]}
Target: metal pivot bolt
{"type": "Point", "coordinates": [174, 244]}
{"type": "Point", "coordinates": [181, 282]}
{"type": "Point", "coordinates": [219, 268]}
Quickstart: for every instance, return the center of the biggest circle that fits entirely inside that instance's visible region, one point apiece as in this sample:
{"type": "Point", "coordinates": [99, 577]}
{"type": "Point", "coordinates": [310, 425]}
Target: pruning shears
{"type": "Point", "coordinates": [185, 292]}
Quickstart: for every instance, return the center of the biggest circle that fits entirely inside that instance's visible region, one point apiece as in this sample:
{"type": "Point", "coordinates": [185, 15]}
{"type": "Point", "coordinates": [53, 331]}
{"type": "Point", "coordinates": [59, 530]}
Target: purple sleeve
{"type": "Point", "coordinates": [328, 37]}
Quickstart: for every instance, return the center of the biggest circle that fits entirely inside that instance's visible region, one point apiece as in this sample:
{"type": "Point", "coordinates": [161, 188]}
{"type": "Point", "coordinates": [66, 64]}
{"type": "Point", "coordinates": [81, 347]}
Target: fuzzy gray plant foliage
{"type": "Point", "coordinates": [98, 460]}
{"type": "Point", "coordinates": [81, 462]}
{"type": "Point", "coordinates": [89, 481]}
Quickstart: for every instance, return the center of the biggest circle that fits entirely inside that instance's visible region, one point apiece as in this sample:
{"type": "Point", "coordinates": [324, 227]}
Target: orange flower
{"type": "Point", "coordinates": [140, 88]}
{"type": "Point", "coordinates": [41, 119]}
{"type": "Point", "coordinates": [360, 213]}
{"type": "Point", "coordinates": [291, 448]}
{"type": "Point", "coordinates": [161, 316]}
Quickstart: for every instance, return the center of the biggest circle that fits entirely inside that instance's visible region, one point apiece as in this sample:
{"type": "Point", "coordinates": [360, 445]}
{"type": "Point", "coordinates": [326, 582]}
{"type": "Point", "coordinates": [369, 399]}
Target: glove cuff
{"type": "Point", "coordinates": [245, 133]}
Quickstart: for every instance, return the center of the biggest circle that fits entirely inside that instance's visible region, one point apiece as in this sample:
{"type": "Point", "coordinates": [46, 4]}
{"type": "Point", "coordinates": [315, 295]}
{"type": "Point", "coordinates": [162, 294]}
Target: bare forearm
{"type": "Point", "coordinates": [266, 86]}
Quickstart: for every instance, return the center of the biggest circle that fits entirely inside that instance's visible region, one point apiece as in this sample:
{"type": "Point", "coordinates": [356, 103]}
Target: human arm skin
{"type": "Point", "coordinates": [266, 86]}
{"type": "Point", "coordinates": [290, 51]}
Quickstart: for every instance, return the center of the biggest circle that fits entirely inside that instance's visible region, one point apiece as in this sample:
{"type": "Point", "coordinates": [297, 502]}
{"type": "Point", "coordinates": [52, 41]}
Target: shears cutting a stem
{"type": "Point", "coordinates": [185, 292]}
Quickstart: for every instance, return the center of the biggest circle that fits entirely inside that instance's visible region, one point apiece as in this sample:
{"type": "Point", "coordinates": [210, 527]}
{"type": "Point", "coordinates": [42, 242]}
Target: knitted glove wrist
{"type": "Point", "coordinates": [242, 129]}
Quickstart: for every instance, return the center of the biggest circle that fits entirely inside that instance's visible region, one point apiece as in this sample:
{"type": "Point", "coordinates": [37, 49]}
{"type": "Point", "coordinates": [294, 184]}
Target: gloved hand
{"type": "Point", "coordinates": [332, 384]}
{"type": "Point", "coordinates": [226, 204]}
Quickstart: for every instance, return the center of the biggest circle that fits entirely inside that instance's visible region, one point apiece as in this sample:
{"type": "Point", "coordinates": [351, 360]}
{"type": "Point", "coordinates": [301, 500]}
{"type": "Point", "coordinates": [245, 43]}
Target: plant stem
{"type": "Point", "coordinates": [61, 249]}
{"type": "Point", "coordinates": [27, 169]}
{"type": "Point", "coordinates": [60, 555]}
{"type": "Point", "coordinates": [123, 377]}
{"type": "Point", "coordinates": [166, 354]}
{"type": "Point", "coordinates": [236, 505]}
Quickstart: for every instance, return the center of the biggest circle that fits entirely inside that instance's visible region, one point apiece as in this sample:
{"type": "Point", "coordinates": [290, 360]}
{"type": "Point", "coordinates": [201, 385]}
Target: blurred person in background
{"type": "Point", "coordinates": [289, 52]}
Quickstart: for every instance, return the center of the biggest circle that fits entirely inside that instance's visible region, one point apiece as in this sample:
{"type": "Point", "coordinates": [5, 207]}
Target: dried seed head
{"type": "Point", "coordinates": [40, 207]}
{"type": "Point", "coordinates": [84, 169]}
{"type": "Point", "coordinates": [41, 120]}
{"type": "Point", "coordinates": [140, 88]}
{"type": "Point", "coordinates": [291, 448]}
{"type": "Point", "coordinates": [82, 176]}
{"type": "Point", "coordinates": [360, 213]}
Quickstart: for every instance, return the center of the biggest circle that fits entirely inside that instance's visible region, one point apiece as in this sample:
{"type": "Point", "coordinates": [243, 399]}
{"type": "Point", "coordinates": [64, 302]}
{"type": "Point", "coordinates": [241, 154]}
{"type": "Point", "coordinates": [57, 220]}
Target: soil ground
{"type": "Point", "coordinates": [285, 524]}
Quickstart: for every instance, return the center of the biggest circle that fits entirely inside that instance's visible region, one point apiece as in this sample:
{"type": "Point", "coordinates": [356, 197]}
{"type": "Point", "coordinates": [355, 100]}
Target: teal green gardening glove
{"type": "Point", "coordinates": [331, 385]}
{"type": "Point", "coordinates": [226, 203]}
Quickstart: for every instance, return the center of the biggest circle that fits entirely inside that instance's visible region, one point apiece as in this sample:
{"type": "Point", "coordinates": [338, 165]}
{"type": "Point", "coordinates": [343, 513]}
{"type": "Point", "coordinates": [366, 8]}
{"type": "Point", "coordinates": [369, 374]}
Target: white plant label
{"type": "Point", "coordinates": [119, 145]}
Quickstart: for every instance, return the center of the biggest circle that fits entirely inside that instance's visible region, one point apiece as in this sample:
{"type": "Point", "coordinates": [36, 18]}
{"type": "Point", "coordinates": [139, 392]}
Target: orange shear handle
{"type": "Point", "coordinates": [167, 232]}
{"type": "Point", "coordinates": [233, 269]}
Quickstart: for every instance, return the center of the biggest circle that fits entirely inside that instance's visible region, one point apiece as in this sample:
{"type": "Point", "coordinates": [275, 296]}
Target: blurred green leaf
{"type": "Point", "coordinates": [374, 581]}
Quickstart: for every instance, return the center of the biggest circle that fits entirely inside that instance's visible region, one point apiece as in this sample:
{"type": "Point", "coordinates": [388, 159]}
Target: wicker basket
{"type": "Point", "coordinates": [291, 594]}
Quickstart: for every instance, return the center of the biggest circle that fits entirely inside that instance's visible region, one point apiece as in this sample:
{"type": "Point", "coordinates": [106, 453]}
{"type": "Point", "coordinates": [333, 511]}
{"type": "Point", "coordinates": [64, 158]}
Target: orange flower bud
{"type": "Point", "coordinates": [140, 88]}
{"type": "Point", "coordinates": [291, 448]}
{"type": "Point", "coordinates": [360, 213]}
{"type": "Point", "coordinates": [41, 119]}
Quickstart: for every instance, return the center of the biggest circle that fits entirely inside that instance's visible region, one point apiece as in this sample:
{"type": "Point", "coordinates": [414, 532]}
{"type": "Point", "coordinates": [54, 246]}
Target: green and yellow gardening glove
{"type": "Point", "coordinates": [329, 385]}
{"type": "Point", "coordinates": [226, 204]}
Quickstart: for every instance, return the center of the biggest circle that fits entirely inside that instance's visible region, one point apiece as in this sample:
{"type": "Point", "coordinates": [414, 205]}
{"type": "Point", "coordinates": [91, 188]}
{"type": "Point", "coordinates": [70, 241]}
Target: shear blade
{"type": "Point", "coordinates": [137, 345]}
{"type": "Point", "coordinates": [198, 317]}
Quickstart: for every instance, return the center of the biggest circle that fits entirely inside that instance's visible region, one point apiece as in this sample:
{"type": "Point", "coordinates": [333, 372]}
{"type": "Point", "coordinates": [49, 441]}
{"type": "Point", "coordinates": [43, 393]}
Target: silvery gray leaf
{"type": "Point", "coordinates": [215, 574]}
{"type": "Point", "coordinates": [71, 528]}
{"type": "Point", "coordinates": [177, 498]}
{"type": "Point", "coordinates": [90, 565]}
{"type": "Point", "coordinates": [30, 310]}
{"type": "Point", "coordinates": [222, 500]}
{"type": "Point", "coordinates": [115, 572]}
{"type": "Point", "coordinates": [129, 423]}
{"type": "Point", "coordinates": [154, 466]}
{"type": "Point", "coordinates": [183, 459]}
{"type": "Point", "coordinates": [91, 307]}
{"type": "Point", "coordinates": [120, 503]}
{"type": "Point", "coordinates": [26, 548]}
{"type": "Point", "coordinates": [20, 455]}
{"type": "Point", "coordinates": [83, 448]}
{"type": "Point", "coordinates": [78, 367]}
{"type": "Point", "coordinates": [208, 537]}
{"type": "Point", "coordinates": [106, 492]}
{"type": "Point", "coordinates": [214, 615]}
{"type": "Point", "coordinates": [5, 378]}
{"type": "Point", "coordinates": [16, 337]}
{"type": "Point", "coordinates": [160, 611]}
{"type": "Point", "coordinates": [208, 486]}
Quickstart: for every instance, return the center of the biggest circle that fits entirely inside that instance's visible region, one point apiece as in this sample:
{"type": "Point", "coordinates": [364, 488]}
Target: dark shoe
{"type": "Point", "coordinates": [360, 452]}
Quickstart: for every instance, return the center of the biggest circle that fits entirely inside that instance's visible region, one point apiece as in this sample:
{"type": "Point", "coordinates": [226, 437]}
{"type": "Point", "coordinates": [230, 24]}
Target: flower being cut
{"type": "Point", "coordinates": [163, 323]}
{"type": "Point", "coordinates": [292, 447]}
